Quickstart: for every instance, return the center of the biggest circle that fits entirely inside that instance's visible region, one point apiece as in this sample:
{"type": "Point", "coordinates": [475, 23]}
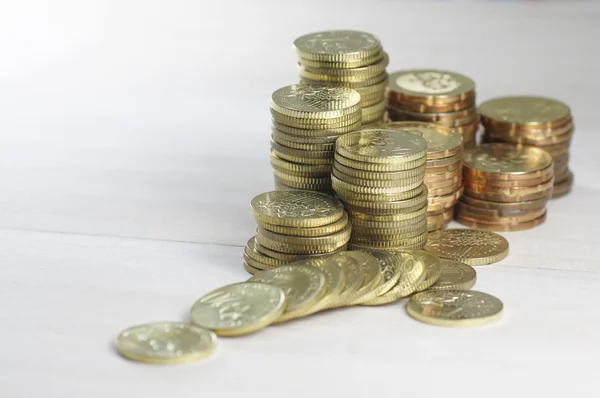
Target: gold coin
{"type": "Point", "coordinates": [343, 64]}
{"type": "Point", "coordinates": [316, 248]}
{"type": "Point", "coordinates": [250, 269]}
{"type": "Point", "coordinates": [316, 132]}
{"type": "Point", "coordinates": [296, 208]}
{"type": "Point", "coordinates": [445, 190]}
{"type": "Point", "coordinates": [355, 246]}
{"type": "Point", "coordinates": [311, 78]}
{"type": "Point", "coordinates": [372, 112]}
{"type": "Point", "coordinates": [507, 227]}
{"type": "Point", "coordinates": [524, 111]}
{"type": "Point", "coordinates": [442, 142]}
{"type": "Point", "coordinates": [317, 123]}
{"type": "Point", "coordinates": [251, 252]}
{"type": "Point", "coordinates": [353, 275]}
{"type": "Point", "coordinates": [389, 208]}
{"type": "Point", "coordinates": [433, 268]}
{"type": "Point", "coordinates": [290, 178]}
{"type": "Point", "coordinates": [453, 176]}
{"type": "Point", "coordinates": [424, 108]}
{"type": "Point", "coordinates": [337, 46]}
{"type": "Point", "coordinates": [431, 86]}
{"type": "Point", "coordinates": [238, 309]}
{"type": "Point", "coordinates": [322, 186]}
{"type": "Point", "coordinates": [282, 136]}
{"type": "Point", "coordinates": [456, 308]}
{"type": "Point", "coordinates": [371, 269]}
{"type": "Point", "coordinates": [450, 119]}
{"type": "Point", "coordinates": [378, 167]}
{"type": "Point", "coordinates": [455, 276]}
{"type": "Point", "coordinates": [438, 203]}
{"type": "Point", "coordinates": [303, 286]}
{"type": "Point", "coordinates": [396, 243]}
{"type": "Point", "coordinates": [477, 182]}
{"type": "Point", "coordinates": [301, 170]}
{"type": "Point", "coordinates": [373, 220]}
{"type": "Point", "coordinates": [476, 215]}
{"type": "Point", "coordinates": [372, 183]}
{"type": "Point", "coordinates": [505, 161]}
{"type": "Point", "coordinates": [415, 173]}
{"type": "Point", "coordinates": [381, 146]}
{"type": "Point", "coordinates": [324, 230]}
{"type": "Point", "coordinates": [361, 72]}
{"type": "Point", "coordinates": [450, 162]}
{"type": "Point", "coordinates": [331, 239]}
{"type": "Point", "coordinates": [376, 86]}
{"type": "Point", "coordinates": [302, 146]}
{"type": "Point", "coordinates": [405, 232]}
{"type": "Point", "coordinates": [335, 281]}
{"type": "Point", "coordinates": [391, 269]}
{"type": "Point", "coordinates": [504, 207]}
{"type": "Point", "coordinates": [166, 343]}
{"type": "Point", "coordinates": [397, 187]}
{"type": "Point", "coordinates": [501, 197]}
{"type": "Point", "coordinates": [470, 246]}
{"type": "Point", "coordinates": [412, 272]}
{"type": "Point", "coordinates": [564, 187]}
{"type": "Point", "coordinates": [315, 101]}
{"type": "Point", "coordinates": [350, 196]}
{"type": "Point", "coordinates": [370, 100]}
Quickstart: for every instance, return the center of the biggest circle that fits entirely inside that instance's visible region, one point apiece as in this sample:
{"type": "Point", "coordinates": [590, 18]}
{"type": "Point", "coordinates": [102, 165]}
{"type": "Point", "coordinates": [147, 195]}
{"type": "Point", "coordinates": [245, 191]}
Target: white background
{"type": "Point", "coordinates": [133, 135]}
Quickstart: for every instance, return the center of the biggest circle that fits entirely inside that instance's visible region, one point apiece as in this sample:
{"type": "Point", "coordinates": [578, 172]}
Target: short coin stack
{"type": "Point", "coordinates": [443, 171]}
{"type": "Point", "coordinates": [347, 58]}
{"type": "Point", "coordinates": [379, 175]}
{"type": "Point", "coordinates": [294, 224]}
{"type": "Point", "coordinates": [536, 121]}
{"type": "Point", "coordinates": [434, 96]}
{"type": "Point", "coordinates": [307, 119]}
{"type": "Point", "coordinates": [506, 187]}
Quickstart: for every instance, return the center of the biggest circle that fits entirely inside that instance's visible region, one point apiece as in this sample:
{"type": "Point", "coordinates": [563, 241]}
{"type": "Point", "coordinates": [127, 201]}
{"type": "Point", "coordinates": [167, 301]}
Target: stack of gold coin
{"type": "Point", "coordinates": [434, 96]}
{"type": "Point", "coordinates": [346, 58]}
{"type": "Point", "coordinates": [506, 187]}
{"type": "Point", "coordinates": [295, 224]}
{"type": "Point", "coordinates": [379, 175]}
{"type": "Point", "coordinates": [443, 169]}
{"type": "Point", "coordinates": [307, 119]}
{"type": "Point", "coordinates": [542, 122]}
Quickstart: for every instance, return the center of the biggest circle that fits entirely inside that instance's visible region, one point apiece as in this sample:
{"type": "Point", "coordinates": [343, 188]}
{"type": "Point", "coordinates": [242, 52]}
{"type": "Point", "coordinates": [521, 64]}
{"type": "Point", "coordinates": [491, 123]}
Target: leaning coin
{"type": "Point", "coordinates": [335, 281]}
{"type": "Point", "coordinates": [455, 276]}
{"type": "Point", "coordinates": [433, 268]}
{"type": "Point", "coordinates": [456, 308]}
{"type": "Point", "coordinates": [390, 270]}
{"type": "Point", "coordinates": [470, 246]}
{"type": "Point", "coordinates": [303, 285]}
{"type": "Point", "coordinates": [371, 269]}
{"type": "Point", "coordinates": [237, 309]}
{"type": "Point", "coordinates": [166, 343]}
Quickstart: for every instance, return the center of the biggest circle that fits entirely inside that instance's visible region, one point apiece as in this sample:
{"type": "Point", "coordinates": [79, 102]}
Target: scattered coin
{"type": "Point", "coordinates": [455, 308]}
{"type": "Point", "coordinates": [470, 246]}
{"type": "Point", "coordinates": [455, 276]}
{"type": "Point", "coordinates": [166, 343]}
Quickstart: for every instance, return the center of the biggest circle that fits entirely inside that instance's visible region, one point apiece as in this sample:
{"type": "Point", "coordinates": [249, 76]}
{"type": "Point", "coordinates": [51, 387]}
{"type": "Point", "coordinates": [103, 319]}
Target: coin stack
{"type": "Point", "coordinates": [443, 169]}
{"type": "Point", "coordinates": [307, 119]}
{"type": "Point", "coordinates": [434, 96]}
{"type": "Point", "coordinates": [295, 224]}
{"type": "Point", "coordinates": [535, 121]}
{"type": "Point", "coordinates": [379, 175]}
{"type": "Point", "coordinates": [506, 187]}
{"type": "Point", "coordinates": [347, 58]}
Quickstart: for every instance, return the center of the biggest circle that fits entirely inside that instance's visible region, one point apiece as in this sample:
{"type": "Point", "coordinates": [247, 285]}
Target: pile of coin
{"type": "Point", "coordinates": [434, 96]}
{"type": "Point", "coordinates": [347, 58]}
{"type": "Point", "coordinates": [379, 176]}
{"type": "Point", "coordinates": [295, 224]}
{"type": "Point", "coordinates": [306, 121]}
{"type": "Point", "coordinates": [443, 169]}
{"type": "Point", "coordinates": [506, 187]}
{"type": "Point", "coordinates": [542, 122]}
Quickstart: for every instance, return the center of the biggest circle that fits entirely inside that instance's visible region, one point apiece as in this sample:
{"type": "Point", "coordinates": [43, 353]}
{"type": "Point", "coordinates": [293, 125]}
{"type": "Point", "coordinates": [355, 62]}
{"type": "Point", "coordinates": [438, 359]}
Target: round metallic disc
{"type": "Point", "coordinates": [391, 270]}
{"type": "Point", "coordinates": [337, 45]}
{"type": "Point", "coordinates": [455, 308]}
{"type": "Point", "coordinates": [525, 111]}
{"type": "Point", "coordinates": [238, 309]}
{"type": "Point", "coordinates": [371, 269]}
{"type": "Point", "coordinates": [470, 246]}
{"type": "Point", "coordinates": [519, 226]}
{"type": "Point", "coordinates": [381, 146]}
{"type": "Point", "coordinates": [429, 84]}
{"type": "Point", "coordinates": [166, 343]}
{"type": "Point", "coordinates": [455, 276]}
{"type": "Point", "coordinates": [315, 101]}
{"type": "Point", "coordinates": [442, 142]}
{"type": "Point", "coordinates": [433, 268]}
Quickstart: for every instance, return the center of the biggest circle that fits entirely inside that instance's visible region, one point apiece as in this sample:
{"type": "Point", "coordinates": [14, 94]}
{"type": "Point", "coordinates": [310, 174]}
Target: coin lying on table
{"type": "Point", "coordinates": [238, 309]}
{"type": "Point", "coordinates": [455, 308]}
{"type": "Point", "coordinates": [455, 276]}
{"type": "Point", "coordinates": [166, 343]}
{"type": "Point", "coordinates": [303, 285]}
{"type": "Point", "coordinates": [470, 246]}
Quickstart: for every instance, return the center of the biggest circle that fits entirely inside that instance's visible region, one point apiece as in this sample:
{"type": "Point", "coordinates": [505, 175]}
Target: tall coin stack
{"type": "Point", "coordinates": [434, 96]}
{"type": "Point", "coordinates": [443, 171]}
{"type": "Point", "coordinates": [347, 58]}
{"type": "Point", "coordinates": [506, 187]}
{"type": "Point", "coordinates": [306, 121]}
{"type": "Point", "coordinates": [535, 121]}
{"type": "Point", "coordinates": [295, 224]}
{"type": "Point", "coordinates": [379, 175]}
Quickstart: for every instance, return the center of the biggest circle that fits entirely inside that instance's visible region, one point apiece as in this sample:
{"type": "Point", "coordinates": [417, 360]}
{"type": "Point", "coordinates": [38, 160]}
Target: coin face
{"type": "Point", "coordinates": [335, 280]}
{"type": "Point", "coordinates": [371, 270]}
{"type": "Point", "coordinates": [510, 159]}
{"type": "Point", "coordinates": [458, 308]}
{"type": "Point", "coordinates": [441, 141]}
{"type": "Point", "coordinates": [337, 42]}
{"type": "Point", "coordinates": [381, 146]}
{"type": "Point", "coordinates": [433, 268]}
{"type": "Point", "coordinates": [455, 276]}
{"type": "Point", "coordinates": [524, 110]}
{"type": "Point", "coordinates": [303, 286]}
{"type": "Point", "coordinates": [470, 246]}
{"type": "Point", "coordinates": [296, 208]}
{"type": "Point", "coordinates": [429, 82]}
{"type": "Point", "coordinates": [238, 309]}
{"type": "Point", "coordinates": [166, 343]}
{"type": "Point", "coordinates": [315, 101]}
{"type": "Point", "coordinates": [391, 269]}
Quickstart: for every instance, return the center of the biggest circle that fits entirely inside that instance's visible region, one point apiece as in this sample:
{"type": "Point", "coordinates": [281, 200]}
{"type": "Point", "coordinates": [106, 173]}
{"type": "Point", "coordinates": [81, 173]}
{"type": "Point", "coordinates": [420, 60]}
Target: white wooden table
{"type": "Point", "coordinates": [133, 135]}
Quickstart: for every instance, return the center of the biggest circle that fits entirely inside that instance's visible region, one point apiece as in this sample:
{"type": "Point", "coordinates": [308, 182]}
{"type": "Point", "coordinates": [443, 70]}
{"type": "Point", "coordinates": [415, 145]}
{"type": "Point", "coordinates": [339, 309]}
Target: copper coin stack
{"type": "Point", "coordinates": [379, 176]}
{"type": "Point", "coordinates": [535, 121]}
{"type": "Point", "coordinates": [443, 171]}
{"type": "Point", "coordinates": [293, 225]}
{"type": "Point", "coordinates": [506, 187]}
{"type": "Point", "coordinates": [434, 96]}
{"type": "Point", "coordinates": [306, 121]}
{"type": "Point", "coordinates": [347, 58]}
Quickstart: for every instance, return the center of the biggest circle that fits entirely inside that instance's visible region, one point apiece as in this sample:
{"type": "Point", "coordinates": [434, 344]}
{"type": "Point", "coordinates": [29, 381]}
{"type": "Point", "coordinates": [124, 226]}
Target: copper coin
{"type": "Point", "coordinates": [488, 188]}
{"type": "Point", "coordinates": [508, 198]}
{"type": "Point", "coordinates": [454, 176]}
{"type": "Point", "coordinates": [528, 215]}
{"type": "Point", "coordinates": [444, 202]}
{"type": "Point", "coordinates": [502, 207]}
{"type": "Point", "coordinates": [502, 227]}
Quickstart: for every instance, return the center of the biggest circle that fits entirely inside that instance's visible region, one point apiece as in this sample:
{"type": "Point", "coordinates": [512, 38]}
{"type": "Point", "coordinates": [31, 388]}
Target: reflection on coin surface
{"type": "Point", "coordinates": [429, 82]}
{"type": "Point", "coordinates": [455, 276]}
{"type": "Point", "coordinates": [433, 268]}
{"type": "Point", "coordinates": [337, 45]}
{"type": "Point", "coordinates": [470, 246]}
{"type": "Point", "coordinates": [238, 309]}
{"type": "Point", "coordinates": [316, 101]}
{"type": "Point", "coordinates": [524, 110]}
{"type": "Point", "coordinates": [457, 308]}
{"type": "Point", "coordinates": [510, 160]}
{"type": "Point", "coordinates": [381, 146]}
{"type": "Point", "coordinates": [166, 343]}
